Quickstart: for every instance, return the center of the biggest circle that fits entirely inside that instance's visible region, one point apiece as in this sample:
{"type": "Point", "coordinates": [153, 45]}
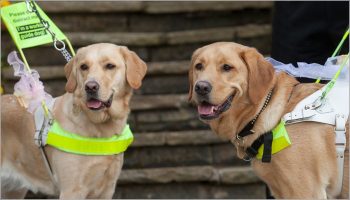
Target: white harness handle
{"type": "Point", "coordinates": [333, 110]}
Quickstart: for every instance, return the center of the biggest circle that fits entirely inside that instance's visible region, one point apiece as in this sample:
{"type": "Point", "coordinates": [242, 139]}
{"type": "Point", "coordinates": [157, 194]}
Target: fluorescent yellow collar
{"type": "Point", "coordinates": [280, 140]}
{"type": "Point", "coordinates": [76, 144]}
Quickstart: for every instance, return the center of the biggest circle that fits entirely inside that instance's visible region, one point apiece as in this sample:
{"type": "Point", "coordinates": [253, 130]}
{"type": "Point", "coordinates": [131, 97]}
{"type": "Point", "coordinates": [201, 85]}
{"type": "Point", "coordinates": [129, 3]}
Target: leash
{"type": "Point", "coordinates": [59, 45]}
{"type": "Point", "coordinates": [26, 32]}
{"type": "Point", "coordinates": [335, 77]}
{"type": "Point", "coordinates": [337, 50]}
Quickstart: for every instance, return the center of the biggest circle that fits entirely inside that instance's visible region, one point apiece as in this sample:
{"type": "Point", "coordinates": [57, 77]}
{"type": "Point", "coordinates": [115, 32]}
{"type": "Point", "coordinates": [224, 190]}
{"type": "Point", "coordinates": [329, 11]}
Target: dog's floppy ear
{"type": "Point", "coordinates": [190, 79]}
{"type": "Point", "coordinates": [70, 75]}
{"type": "Point", "coordinates": [190, 73]}
{"type": "Point", "coordinates": [260, 74]}
{"type": "Point", "coordinates": [135, 68]}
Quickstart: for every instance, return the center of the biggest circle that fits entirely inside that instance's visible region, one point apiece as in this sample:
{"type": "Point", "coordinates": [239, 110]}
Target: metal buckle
{"type": "Point", "coordinates": [238, 137]}
{"type": "Point", "coordinates": [247, 158]}
{"type": "Point", "coordinates": [317, 103]}
{"type": "Point", "coordinates": [50, 121]}
{"type": "Point", "coordinates": [39, 140]}
{"type": "Point", "coordinates": [240, 140]}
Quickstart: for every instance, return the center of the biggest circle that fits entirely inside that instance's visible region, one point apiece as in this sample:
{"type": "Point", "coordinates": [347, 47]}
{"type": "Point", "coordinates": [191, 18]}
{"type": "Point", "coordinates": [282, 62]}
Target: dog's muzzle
{"type": "Point", "coordinates": [94, 103]}
{"type": "Point", "coordinates": [209, 111]}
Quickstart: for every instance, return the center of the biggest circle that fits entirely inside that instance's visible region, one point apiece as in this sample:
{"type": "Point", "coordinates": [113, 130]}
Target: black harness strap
{"type": "Point", "coordinates": [253, 149]}
{"type": "Point", "coordinates": [247, 130]}
{"type": "Point", "coordinates": [265, 138]}
{"type": "Point", "coordinates": [268, 137]}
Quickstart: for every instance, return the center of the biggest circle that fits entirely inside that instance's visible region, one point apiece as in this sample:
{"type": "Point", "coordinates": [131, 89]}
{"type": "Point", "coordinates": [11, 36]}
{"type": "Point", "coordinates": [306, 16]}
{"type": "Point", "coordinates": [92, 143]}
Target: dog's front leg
{"type": "Point", "coordinates": [108, 193]}
{"type": "Point", "coordinates": [73, 193]}
{"type": "Point", "coordinates": [79, 192]}
{"type": "Point", "coordinates": [16, 194]}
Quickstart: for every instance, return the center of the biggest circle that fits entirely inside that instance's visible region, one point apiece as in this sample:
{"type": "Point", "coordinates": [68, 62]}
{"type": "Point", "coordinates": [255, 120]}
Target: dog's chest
{"type": "Point", "coordinates": [97, 173]}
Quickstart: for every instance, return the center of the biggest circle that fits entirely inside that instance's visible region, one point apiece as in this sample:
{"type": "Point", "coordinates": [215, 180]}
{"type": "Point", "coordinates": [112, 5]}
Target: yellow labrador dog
{"type": "Point", "coordinates": [100, 82]}
{"type": "Point", "coordinates": [230, 84]}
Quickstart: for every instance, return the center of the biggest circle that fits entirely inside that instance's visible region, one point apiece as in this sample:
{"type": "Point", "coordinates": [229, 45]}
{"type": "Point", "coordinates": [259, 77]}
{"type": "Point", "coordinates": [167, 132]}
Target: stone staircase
{"type": "Point", "coordinates": [174, 155]}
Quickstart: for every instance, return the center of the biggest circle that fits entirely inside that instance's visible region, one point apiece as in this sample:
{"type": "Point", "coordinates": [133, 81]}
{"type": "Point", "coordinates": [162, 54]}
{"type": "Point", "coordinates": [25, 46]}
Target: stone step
{"type": "Point", "coordinates": [176, 138]}
{"type": "Point", "coordinates": [220, 175]}
{"type": "Point", "coordinates": [167, 101]}
{"type": "Point", "coordinates": [182, 155]}
{"type": "Point", "coordinates": [171, 38]}
{"type": "Point", "coordinates": [148, 7]}
{"type": "Point", "coordinates": [167, 38]}
{"type": "Point", "coordinates": [164, 22]}
{"type": "Point", "coordinates": [180, 148]}
{"type": "Point", "coordinates": [170, 119]}
{"type": "Point", "coordinates": [190, 190]}
{"type": "Point", "coordinates": [195, 182]}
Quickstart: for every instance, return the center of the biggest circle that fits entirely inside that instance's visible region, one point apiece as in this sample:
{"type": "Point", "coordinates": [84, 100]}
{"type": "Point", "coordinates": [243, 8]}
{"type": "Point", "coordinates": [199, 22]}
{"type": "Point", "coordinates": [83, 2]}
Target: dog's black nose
{"type": "Point", "coordinates": [202, 88]}
{"type": "Point", "coordinates": [92, 87]}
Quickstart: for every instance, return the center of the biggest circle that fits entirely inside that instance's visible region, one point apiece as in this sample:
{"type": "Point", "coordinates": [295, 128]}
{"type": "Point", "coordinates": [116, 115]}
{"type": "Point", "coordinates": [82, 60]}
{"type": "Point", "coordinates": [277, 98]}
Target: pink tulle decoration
{"type": "Point", "coordinates": [29, 88]}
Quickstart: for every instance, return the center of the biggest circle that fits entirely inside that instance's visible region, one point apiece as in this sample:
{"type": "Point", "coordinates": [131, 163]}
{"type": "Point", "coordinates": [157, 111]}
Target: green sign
{"type": "Point", "coordinates": [25, 27]}
{"type": "Point", "coordinates": [280, 140]}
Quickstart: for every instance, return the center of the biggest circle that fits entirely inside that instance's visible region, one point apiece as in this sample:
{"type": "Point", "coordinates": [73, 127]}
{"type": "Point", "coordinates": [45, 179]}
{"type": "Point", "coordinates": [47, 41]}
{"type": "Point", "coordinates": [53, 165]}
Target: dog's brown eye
{"type": "Point", "coordinates": [110, 66]}
{"type": "Point", "coordinates": [226, 67]}
{"type": "Point", "coordinates": [199, 66]}
{"type": "Point", "coordinates": [84, 67]}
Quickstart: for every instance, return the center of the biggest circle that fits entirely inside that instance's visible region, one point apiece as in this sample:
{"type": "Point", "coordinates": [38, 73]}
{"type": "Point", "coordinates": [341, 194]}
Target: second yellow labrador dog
{"type": "Point", "coordinates": [230, 84]}
{"type": "Point", "coordinates": [100, 82]}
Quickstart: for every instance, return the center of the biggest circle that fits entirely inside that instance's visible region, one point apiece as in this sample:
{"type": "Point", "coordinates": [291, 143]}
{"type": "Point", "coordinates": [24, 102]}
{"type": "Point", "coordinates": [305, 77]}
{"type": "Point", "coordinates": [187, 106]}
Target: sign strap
{"type": "Point", "coordinates": [58, 44]}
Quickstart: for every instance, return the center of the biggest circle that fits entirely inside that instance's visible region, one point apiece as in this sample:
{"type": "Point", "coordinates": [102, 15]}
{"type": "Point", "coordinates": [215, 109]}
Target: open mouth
{"type": "Point", "coordinates": [208, 111]}
{"type": "Point", "coordinates": [96, 104]}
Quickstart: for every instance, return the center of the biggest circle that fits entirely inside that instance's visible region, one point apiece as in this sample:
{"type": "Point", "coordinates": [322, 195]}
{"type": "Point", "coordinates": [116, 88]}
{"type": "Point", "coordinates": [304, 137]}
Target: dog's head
{"type": "Point", "coordinates": [102, 77]}
{"type": "Point", "coordinates": [224, 74]}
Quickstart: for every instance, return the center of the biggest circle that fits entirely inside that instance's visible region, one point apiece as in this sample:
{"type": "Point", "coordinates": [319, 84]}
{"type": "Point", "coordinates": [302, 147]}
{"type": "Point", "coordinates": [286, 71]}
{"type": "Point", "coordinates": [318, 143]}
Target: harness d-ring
{"type": "Point", "coordinates": [247, 158]}
{"type": "Point", "coordinates": [62, 43]}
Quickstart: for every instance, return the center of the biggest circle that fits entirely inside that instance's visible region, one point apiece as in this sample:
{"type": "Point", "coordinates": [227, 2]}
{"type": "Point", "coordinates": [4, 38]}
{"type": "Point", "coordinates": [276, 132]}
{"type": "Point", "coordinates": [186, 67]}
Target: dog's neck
{"type": "Point", "coordinates": [229, 125]}
{"type": "Point", "coordinates": [105, 124]}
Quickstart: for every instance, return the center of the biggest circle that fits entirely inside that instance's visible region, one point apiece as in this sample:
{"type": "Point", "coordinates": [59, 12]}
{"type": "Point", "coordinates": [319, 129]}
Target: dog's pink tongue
{"type": "Point", "coordinates": [205, 109]}
{"type": "Point", "coordinates": [94, 103]}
